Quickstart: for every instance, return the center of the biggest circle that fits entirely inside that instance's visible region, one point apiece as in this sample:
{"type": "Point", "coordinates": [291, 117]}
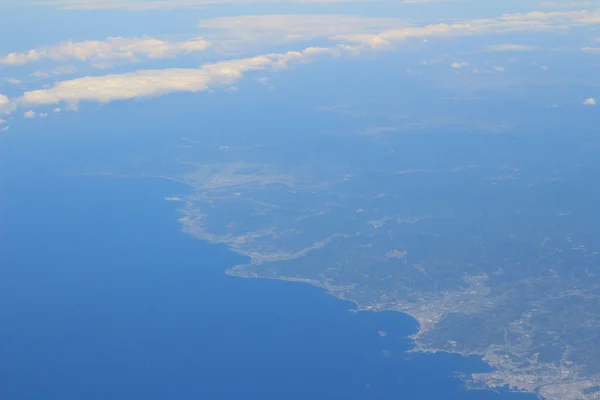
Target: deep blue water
{"type": "Point", "coordinates": [103, 297]}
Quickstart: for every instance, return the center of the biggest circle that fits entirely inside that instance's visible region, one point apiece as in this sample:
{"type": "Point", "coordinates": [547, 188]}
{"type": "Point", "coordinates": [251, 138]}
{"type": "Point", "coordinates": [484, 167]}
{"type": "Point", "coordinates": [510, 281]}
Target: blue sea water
{"type": "Point", "coordinates": [103, 297]}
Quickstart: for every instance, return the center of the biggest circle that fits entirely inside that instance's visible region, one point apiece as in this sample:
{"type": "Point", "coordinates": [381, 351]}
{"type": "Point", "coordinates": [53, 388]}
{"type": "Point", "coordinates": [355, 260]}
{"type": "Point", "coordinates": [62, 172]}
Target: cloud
{"type": "Point", "coordinates": [510, 47]}
{"type": "Point", "coordinates": [459, 64]}
{"type": "Point", "coordinates": [111, 49]}
{"type": "Point", "coordinates": [2, 121]}
{"type": "Point", "coordinates": [363, 33]}
{"type": "Point", "coordinates": [338, 28]}
{"type": "Point", "coordinates": [568, 4]}
{"type": "Point", "coordinates": [148, 83]}
{"type": "Point", "coordinates": [291, 27]}
{"type": "Point", "coordinates": [63, 70]}
{"type": "Point", "coordinates": [590, 102]}
{"type": "Point", "coordinates": [348, 34]}
{"type": "Point", "coordinates": [139, 5]}
{"type": "Point", "coordinates": [6, 106]}
{"type": "Point", "coordinates": [590, 49]}
{"type": "Point", "coordinates": [499, 69]}
{"type": "Point", "coordinates": [29, 114]}
{"type": "Point", "coordinates": [520, 22]}
{"type": "Point", "coordinates": [423, 1]}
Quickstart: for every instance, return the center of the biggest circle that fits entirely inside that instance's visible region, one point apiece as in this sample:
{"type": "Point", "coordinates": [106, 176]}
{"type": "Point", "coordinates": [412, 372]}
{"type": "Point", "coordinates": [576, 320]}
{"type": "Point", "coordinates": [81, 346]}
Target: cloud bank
{"type": "Point", "coordinates": [290, 27]}
{"type": "Point", "coordinates": [382, 32]}
{"type": "Point", "coordinates": [109, 50]}
{"type": "Point", "coordinates": [511, 47]}
{"type": "Point", "coordinates": [521, 22]}
{"type": "Point", "coordinates": [140, 5]}
{"type": "Point", "coordinates": [346, 33]}
{"type": "Point", "coordinates": [148, 83]}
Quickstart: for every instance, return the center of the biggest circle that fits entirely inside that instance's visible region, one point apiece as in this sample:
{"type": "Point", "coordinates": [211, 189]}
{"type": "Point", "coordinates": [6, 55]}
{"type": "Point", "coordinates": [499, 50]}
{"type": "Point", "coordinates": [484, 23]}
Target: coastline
{"type": "Point", "coordinates": [417, 346]}
{"type": "Point", "coordinates": [504, 376]}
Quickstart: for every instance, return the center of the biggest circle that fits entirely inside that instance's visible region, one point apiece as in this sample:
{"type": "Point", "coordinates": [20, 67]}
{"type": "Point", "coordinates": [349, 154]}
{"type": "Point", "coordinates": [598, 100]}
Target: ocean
{"type": "Point", "coordinates": [103, 297]}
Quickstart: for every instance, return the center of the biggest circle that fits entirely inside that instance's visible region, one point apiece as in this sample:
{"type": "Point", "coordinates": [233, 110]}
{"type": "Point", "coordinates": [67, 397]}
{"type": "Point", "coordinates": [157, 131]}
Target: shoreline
{"type": "Point", "coordinates": [470, 379]}
{"type": "Point", "coordinates": [416, 346]}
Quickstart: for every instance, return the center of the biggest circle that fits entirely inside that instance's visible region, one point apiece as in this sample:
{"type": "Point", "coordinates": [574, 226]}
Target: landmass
{"type": "Point", "coordinates": [493, 256]}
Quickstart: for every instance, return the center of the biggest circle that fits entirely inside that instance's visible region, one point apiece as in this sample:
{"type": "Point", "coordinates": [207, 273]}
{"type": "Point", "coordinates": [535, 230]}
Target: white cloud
{"type": "Point", "coordinates": [147, 83]}
{"type": "Point", "coordinates": [423, 1]}
{"type": "Point", "coordinates": [138, 5]}
{"type": "Point", "coordinates": [499, 69]}
{"type": "Point", "coordinates": [57, 110]}
{"type": "Point", "coordinates": [533, 21]}
{"type": "Point", "coordinates": [459, 64]}
{"type": "Point", "coordinates": [290, 27]}
{"type": "Point", "coordinates": [63, 70]}
{"type": "Point", "coordinates": [350, 34]}
{"type": "Point", "coordinates": [111, 49]}
{"type": "Point", "coordinates": [511, 47]}
{"type": "Point", "coordinates": [590, 49]}
{"type": "Point", "coordinates": [6, 106]}
{"type": "Point", "coordinates": [363, 33]}
{"type": "Point", "coordinates": [2, 121]}
{"type": "Point", "coordinates": [13, 81]}
{"type": "Point", "coordinates": [590, 102]}
{"type": "Point", "coordinates": [567, 4]}
{"type": "Point", "coordinates": [29, 114]}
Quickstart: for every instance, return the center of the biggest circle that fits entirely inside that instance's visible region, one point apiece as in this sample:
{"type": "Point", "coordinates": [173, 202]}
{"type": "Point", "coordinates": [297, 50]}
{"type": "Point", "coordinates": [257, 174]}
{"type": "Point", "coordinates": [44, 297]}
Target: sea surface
{"type": "Point", "coordinates": [103, 297]}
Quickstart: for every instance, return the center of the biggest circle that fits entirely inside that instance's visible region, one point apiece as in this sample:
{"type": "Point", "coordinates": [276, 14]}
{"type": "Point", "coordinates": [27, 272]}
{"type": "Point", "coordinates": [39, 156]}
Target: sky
{"type": "Point", "coordinates": [63, 55]}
